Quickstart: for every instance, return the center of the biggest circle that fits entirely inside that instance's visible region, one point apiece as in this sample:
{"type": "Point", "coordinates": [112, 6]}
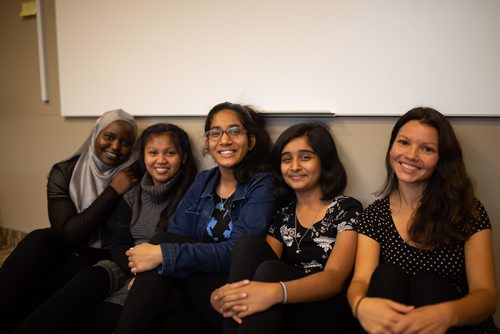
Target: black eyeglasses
{"type": "Point", "coordinates": [233, 131]}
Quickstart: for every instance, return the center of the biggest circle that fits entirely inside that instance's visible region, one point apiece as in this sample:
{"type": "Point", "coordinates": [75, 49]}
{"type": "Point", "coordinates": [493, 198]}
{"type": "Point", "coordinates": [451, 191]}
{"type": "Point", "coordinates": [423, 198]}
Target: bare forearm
{"type": "Point", "coordinates": [473, 308]}
{"type": "Point", "coordinates": [356, 291]}
{"type": "Point", "coordinates": [315, 287]}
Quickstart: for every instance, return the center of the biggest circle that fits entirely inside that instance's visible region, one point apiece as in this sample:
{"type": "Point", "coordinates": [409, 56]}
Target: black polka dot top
{"type": "Point", "coordinates": [447, 261]}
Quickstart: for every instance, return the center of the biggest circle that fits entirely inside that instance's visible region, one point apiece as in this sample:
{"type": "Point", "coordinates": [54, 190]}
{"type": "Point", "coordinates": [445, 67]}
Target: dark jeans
{"type": "Point", "coordinates": [151, 307]}
{"type": "Point", "coordinates": [39, 266]}
{"type": "Point", "coordinates": [253, 258]}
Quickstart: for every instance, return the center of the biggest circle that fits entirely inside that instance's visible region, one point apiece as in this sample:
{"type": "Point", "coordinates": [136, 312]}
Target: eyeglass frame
{"type": "Point", "coordinates": [227, 131]}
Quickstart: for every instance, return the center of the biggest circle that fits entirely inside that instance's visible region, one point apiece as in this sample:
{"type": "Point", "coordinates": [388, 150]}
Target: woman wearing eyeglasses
{"type": "Point", "coordinates": [192, 258]}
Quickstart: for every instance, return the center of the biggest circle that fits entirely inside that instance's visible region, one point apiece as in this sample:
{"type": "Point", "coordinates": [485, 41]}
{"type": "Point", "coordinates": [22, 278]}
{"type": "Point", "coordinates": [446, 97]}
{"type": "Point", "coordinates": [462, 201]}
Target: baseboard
{"type": "Point", "coordinates": [10, 238]}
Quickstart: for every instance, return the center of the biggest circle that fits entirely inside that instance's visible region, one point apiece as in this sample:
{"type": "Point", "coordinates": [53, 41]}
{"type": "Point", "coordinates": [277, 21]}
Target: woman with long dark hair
{"type": "Point", "coordinates": [223, 204]}
{"type": "Point", "coordinates": [425, 257]}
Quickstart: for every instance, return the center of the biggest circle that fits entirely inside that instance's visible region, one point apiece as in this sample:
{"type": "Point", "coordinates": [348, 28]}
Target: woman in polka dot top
{"type": "Point", "coordinates": [425, 257]}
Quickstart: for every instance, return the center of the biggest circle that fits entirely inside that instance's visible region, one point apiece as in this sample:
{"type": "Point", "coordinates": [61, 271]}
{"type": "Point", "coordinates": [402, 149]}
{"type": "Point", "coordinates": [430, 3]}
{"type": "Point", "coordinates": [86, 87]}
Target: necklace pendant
{"type": "Point", "coordinates": [298, 251]}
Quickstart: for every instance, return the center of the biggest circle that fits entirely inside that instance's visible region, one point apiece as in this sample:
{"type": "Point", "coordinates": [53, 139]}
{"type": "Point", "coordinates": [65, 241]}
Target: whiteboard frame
{"type": "Point", "coordinates": [342, 57]}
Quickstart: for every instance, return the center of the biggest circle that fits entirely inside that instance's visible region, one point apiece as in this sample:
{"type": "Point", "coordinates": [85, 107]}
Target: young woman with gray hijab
{"type": "Point", "coordinates": [81, 192]}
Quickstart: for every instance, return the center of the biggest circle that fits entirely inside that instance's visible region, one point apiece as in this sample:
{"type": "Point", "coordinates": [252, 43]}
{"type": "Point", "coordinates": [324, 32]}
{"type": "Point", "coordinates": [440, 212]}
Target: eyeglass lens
{"type": "Point", "coordinates": [233, 131]}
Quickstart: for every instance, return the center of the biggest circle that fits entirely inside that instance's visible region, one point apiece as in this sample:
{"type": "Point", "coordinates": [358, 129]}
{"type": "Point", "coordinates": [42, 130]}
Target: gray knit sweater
{"type": "Point", "coordinates": [146, 211]}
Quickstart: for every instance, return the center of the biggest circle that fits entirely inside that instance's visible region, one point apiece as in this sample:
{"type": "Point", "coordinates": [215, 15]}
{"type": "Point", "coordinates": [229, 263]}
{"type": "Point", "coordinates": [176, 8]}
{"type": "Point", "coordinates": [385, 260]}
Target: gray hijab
{"type": "Point", "coordinates": [90, 176]}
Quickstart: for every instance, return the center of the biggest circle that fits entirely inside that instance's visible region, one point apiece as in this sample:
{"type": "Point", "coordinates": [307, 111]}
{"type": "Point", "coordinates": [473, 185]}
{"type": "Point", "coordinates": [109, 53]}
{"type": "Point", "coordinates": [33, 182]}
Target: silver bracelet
{"type": "Point", "coordinates": [285, 294]}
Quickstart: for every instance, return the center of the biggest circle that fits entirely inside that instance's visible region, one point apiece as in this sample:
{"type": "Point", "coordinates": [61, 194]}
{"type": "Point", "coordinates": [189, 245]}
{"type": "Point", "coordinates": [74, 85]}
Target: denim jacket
{"type": "Point", "coordinates": [251, 213]}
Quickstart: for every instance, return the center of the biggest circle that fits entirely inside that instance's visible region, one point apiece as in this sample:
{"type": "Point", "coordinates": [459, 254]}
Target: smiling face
{"type": "Point", "coordinates": [415, 153]}
{"type": "Point", "coordinates": [300, 165]}
{"type": "Point", "coordinates": [161, 158]}
{"type": "Point", "coordinates": [114, 143]}
{"type": "Point", "coordinates": [228, 151]}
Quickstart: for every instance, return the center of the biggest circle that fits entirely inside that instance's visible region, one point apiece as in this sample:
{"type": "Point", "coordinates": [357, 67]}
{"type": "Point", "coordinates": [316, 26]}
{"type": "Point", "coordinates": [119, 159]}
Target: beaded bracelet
{"type": "Point", "coordinates": [285, 294]}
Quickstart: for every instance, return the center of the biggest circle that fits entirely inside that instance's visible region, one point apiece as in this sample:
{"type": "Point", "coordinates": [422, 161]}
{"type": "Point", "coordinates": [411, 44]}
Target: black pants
{"type": "Point", "coordinates": [76, 308]}
{"type": "Point", "coordinates": [39, 266]}
{"type": "Point", "coordinates": [254, 259]}
{"type": "Point", "coordinates": [425, 288]}
{"type": "Point", "coordinates": [151, 305]}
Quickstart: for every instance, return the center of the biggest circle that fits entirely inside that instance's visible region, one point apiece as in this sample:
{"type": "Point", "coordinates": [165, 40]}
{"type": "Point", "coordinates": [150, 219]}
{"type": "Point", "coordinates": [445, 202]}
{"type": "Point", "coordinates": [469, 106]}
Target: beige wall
{"type": "Point", "coordinates": [33, 135]}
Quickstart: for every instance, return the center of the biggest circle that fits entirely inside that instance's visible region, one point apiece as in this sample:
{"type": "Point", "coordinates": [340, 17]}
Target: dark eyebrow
{"type": "Point", "coordinates": [425, 143]}
{"type": "Point", "coordinates": [300, 152]}
{"type": "Point", "coordinates": [307, 151]}
{"type": "Point", "coordinates": [229, 126]}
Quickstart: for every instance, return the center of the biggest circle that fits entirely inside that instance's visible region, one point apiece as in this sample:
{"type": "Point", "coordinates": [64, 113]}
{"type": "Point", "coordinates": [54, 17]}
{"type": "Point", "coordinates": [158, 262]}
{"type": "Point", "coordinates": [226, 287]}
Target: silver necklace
{"type": "Point", "coordinates": [299, 250]}
{"type": "Point", "coordinates": [223, 203]}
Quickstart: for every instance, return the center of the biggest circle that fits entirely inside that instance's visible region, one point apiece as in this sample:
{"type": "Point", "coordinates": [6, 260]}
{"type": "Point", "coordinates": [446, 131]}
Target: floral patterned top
{"type": "Point", "coordinates": [309, 249]}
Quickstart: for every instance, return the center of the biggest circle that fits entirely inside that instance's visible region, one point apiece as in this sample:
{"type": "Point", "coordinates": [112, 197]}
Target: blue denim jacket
{"type": "Point", "coordinates": [251, 213]}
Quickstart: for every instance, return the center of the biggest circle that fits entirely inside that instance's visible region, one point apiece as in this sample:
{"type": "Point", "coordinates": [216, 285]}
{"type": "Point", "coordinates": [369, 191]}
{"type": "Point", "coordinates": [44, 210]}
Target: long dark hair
{"type": "Point", "coordinates": [333, 179]}
{"type": "Point", "coordinates": [448, 203]}
{"type": "Point", "coordinates": [187, 172]}
{"type": "Point", "coordinates": [257, 159]}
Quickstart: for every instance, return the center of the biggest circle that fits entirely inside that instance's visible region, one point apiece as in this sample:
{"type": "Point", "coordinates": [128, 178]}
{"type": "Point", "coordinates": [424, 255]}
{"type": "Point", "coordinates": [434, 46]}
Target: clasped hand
{"type": "Point", "coordinates": [378, 315]}
{"type": "Point", "coordinates": [241, 299]}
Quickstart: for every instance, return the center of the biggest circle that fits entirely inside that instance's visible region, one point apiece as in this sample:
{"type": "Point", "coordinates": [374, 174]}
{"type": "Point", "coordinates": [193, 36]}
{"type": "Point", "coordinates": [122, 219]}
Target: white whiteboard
{"type": "Point", "coordinates": [348, 57]}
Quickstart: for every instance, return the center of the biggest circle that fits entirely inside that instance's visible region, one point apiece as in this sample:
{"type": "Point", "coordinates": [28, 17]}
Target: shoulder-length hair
{"type": "Point", "coordinates": [187, 172]}
{"type": "Point", "coordinates": [257, 159]}
{"type": "Point", "coordinates": [333, 179]}
{"type": "Point", "coordinates": [448, 203]}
